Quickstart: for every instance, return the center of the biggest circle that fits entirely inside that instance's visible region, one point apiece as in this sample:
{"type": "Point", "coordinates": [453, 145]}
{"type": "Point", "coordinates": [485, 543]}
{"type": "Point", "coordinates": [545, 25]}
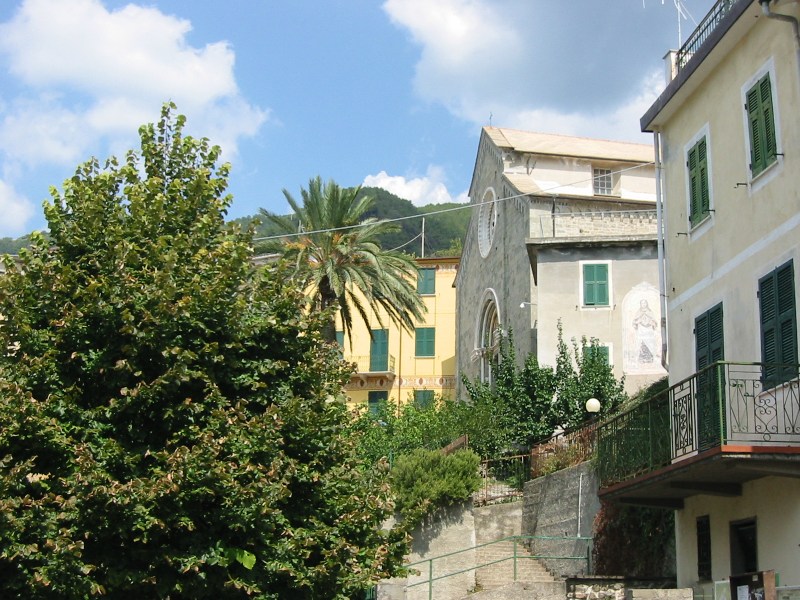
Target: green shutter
{"type": "Point", "coordinates": [778, 324]}
{"type": "Point", "coordinates": [601, 352]}
{"type": "Point", "coordinates": [426, 281]}
{"type": "Point", "coordinates": [425, 341]}
{"type": "Point", "coordinates": [423, 398]}
{"type": "Point", "coordinates": [699, 198]}
{"type": "Point", "coordinates": [379, 350]}
{"type": "Point", "coordinates": [709, 338]}
{"type": "Point", "coordinates": [340, 338]}
{"type": "Point", "coordinates": [761, 119]}
{"type": "Point", "coordinates": [375, 399]}
{"type": "Point", "coordinates": [709, 349]}
{"type": "Point", "coordinates": [595, 285]}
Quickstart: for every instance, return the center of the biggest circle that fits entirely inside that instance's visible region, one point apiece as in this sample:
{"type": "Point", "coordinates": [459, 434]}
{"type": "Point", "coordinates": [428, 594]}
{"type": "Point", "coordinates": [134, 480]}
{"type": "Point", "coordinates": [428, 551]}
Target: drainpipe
{"type": "Point", "coordinates": [787, 19]}
{"type": "Point", "coordinates": [662, 280]}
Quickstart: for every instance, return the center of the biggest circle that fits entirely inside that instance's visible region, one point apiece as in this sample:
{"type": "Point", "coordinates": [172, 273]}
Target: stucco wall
{"type": "Point", "coordinates": [753, 226]}
{"type": "Point", "coordinates": [773, 501]}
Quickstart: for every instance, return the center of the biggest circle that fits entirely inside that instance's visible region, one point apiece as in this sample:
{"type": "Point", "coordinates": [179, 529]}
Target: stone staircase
{"type": "Point", "coordinates": [529, 570]}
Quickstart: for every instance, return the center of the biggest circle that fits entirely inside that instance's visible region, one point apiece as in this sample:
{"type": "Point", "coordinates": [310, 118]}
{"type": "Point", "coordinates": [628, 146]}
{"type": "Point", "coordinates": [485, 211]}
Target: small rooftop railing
{"type": "Point", "coordinates": [703, 31]}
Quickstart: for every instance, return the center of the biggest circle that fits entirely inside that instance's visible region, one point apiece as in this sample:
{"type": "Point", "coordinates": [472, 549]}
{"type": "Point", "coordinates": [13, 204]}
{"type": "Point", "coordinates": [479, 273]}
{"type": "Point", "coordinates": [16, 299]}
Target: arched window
{"type": "Point", "coordinates": [488, 336]}
{"type": "Point", "coordinates": [487, 222]}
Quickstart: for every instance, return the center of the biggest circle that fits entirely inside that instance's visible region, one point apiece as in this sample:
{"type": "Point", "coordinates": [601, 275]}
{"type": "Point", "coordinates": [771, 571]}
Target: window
{"type": "Point", "coordinates": [778, 325]}
{"type": "Point", "coordinates": [375, 399]}
{"type": "Point", "coordinates": [423, 398]}
{"type": "Point", "coordinates": [426, 281]}
{"type": "Point", "coordinates": [603, 182]}
{"type": "Point", "coordinates": [595, 284]}
{"type": "Point", "coordinates": [744, 549]}
{"type": "Point", "coordinates": [709, 348]}
{"type": "Point", "coordinates": [340, 338]}
{"type": "Point", "coordinates": [425, 341]}
{"type": "Point", "coordinates": [761, 125]}
{"type": "Point", "coordinates": [597, 351]}
{"type": "Point", "coordinates": [487, 222]}
{"type": "Point", "coordinates": [703, 548]}
{"type": "Point", "coordinates": [699, 197]}
{"type": "Point", "coordinates": [488, 334]}
{"type": "Point", "coordinates": [379, 350]}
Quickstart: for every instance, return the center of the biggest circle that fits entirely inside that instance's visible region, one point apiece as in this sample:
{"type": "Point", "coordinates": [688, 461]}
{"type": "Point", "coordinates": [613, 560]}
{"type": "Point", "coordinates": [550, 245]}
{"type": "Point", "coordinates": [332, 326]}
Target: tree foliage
{"type": "Point", "coordinates": [530, 403]}
{"type": "Point", "coordinates": [169, 422]}
{"type": "Point", "coordinates": [337, 255]}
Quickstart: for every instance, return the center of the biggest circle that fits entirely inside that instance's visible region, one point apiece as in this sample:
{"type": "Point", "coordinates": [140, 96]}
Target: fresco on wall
{"type": "Point", "coordinates": [641, 335]}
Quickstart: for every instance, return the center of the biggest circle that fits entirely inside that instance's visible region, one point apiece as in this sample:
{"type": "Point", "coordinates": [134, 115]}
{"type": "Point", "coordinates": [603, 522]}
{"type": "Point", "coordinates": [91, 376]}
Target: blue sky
{"type": "Point", "coordinates": [388, 93]}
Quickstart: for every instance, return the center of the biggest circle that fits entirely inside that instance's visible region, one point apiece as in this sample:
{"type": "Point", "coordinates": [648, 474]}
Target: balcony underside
{"type": "Point", "coordinates": [719, 471]}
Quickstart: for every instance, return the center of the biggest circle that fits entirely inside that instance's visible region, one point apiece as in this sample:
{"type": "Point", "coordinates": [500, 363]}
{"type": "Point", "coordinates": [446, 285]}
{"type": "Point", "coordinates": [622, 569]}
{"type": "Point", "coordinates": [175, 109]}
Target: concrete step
{"type": "Point", "coordinates": [555, 590]}
{"type": "Point", "coordinates": [500, 574]}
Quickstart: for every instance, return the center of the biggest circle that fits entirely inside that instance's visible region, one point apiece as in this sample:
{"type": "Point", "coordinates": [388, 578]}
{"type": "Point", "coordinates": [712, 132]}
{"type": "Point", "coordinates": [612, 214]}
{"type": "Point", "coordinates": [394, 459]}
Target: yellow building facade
{"type": "Point", "coordinates": [402, 366]}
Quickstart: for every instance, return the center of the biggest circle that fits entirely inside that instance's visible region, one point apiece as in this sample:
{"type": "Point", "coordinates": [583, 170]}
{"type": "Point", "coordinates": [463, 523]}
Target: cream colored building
{"type": "Point", "coordinates": [417, 366]}
{"type": "Point", "coordinates": [723, 445]}
{"type": "Point", "coordinates": [563, 229]}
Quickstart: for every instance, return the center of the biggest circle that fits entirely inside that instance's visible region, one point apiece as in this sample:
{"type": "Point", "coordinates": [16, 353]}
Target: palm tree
{"type": "Point", "coordinates": [336, 252]}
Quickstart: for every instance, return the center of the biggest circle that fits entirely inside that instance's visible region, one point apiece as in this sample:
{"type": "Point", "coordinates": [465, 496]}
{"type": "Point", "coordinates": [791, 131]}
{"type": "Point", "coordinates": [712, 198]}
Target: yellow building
{"type": "Point", "coordinates": [394, 364]}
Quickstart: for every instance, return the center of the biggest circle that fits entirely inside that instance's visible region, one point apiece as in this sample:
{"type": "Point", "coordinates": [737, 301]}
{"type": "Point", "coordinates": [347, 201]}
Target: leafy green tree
{"type": "Point", "coordinates": [528, 404]}
{"type": "Point", "coordinates": [336, 254]}
{"type": "Point", "coordinates": [169, 421]}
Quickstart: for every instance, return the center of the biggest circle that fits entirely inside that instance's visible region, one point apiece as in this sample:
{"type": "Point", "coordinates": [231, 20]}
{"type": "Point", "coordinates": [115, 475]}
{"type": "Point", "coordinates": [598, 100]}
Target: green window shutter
{"type": "Point", "coordinates": [761, 119]}
{"type": "Point", "coordinates": [425, 341]}
{"type": "Point", "coordinates": [699, 198]}
{"type": "Point", "coordinates": [426, 281]}
{"type": "Point", "coordinates": [423, 398]}
{"type": "Point", "coordinates": [595, 285]}
{"type": "Point", "coordinates": [778, 324]}
{"type": "Point", "coordinates": [709, 339]}
{"type": "Point", "coordinates": [601, 352]}
{"type": "Point", "coordinates": [375, 399]}
{"type": "Point", "coordinates": [379, 350]}
{"type": "Point", "coordinates": [340, 338]}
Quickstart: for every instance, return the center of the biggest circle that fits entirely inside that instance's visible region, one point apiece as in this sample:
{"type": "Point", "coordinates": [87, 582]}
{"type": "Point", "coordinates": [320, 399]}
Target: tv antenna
{"type": "Point", "coordinates": [682, 13]}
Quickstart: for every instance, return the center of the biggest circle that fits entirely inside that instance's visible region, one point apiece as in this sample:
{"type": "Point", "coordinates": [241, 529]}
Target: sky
{"type": "Point", "coordinates": [384, 93]}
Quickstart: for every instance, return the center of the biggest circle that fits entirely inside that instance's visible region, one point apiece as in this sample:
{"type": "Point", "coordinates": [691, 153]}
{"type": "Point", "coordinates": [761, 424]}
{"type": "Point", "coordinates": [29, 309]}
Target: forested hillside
{"type": "Point", "coordinates": [444, 231]}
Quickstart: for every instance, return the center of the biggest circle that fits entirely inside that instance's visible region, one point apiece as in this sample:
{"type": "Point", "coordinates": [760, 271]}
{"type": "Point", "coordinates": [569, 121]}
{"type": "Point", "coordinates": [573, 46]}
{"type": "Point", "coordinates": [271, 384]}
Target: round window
{"type": "Point", "coordinates": [487, 221]}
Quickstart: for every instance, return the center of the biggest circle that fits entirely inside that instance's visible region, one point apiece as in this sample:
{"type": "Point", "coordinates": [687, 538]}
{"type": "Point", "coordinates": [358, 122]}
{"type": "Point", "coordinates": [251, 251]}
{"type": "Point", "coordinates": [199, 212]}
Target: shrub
{"type": "Point", "coordinates": [425, 480]}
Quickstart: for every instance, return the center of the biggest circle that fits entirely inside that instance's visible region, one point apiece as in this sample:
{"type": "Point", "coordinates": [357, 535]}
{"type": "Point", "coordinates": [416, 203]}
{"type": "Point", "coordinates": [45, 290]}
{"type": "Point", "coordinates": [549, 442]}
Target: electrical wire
{"type": "Point", "coordinates": [549, 190]}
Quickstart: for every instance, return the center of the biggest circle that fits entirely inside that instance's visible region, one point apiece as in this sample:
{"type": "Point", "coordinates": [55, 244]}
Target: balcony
{"type": "Point", "coordinates": [373, 373]}
{"type": "Point", "coordinates": [717, 429]}
{"type": "Point", "coordinates": [703, 31]}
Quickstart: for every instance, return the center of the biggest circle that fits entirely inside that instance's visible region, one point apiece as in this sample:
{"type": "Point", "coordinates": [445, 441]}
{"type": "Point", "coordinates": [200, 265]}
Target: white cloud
{"type": "Point", "coordinates": [16, 211]}
{"type": "Point", "coordinates": [581, 67]}
{"type": "Point", "coordinates": [101, 73]}
{"type": "Point", "coordinates": [421, 191]}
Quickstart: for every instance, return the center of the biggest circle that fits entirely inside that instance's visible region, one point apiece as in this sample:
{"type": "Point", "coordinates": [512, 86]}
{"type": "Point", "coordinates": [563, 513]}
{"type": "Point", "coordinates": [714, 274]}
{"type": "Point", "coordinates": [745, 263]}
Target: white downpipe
{"type": "Point", "coordinates": [662, 278]}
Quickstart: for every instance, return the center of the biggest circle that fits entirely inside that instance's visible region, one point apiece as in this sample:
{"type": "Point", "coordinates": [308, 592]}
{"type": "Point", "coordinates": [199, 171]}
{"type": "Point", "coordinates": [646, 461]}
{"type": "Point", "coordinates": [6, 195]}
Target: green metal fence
{"type": "Point", "coordinates": [431, 571]}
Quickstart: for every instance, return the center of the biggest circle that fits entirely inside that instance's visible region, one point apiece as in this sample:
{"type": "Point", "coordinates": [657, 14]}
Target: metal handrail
{"type": "Point", "coordinates": [702, 32]}
{"type": "Point", "coordinates": [517, 539]}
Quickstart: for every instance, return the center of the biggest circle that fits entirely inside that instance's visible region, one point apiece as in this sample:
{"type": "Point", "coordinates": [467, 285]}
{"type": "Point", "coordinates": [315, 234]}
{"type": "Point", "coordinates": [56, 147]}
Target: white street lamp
{"type": "Point", "coordinates": [593, 405]}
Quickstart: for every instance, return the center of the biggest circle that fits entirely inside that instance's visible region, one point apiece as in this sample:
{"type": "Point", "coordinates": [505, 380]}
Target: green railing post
{"type": "Point", "coordinates": [430, 579]}
{"type": "Point", "coordinates": [721, 403]}
{"type": "Point", "coordinates": [515, 559]}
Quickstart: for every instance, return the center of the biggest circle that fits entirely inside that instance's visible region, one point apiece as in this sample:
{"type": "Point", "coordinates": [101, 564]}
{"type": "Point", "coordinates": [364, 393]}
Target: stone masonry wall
{"type": "Point", "coordinates": [562, 505]}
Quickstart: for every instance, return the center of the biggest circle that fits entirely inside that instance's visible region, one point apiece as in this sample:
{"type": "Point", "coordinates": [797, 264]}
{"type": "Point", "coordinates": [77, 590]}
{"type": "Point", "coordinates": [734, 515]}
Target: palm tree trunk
{"type": "Point", "coordinates": [327, 298]}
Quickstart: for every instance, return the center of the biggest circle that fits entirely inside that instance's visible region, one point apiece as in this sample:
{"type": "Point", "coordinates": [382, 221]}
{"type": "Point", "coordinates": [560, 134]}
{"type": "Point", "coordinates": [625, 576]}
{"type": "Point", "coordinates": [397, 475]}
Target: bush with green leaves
{"type": "Point", "coordinates": [425, 480]}
{"type": "Point", "coordinates": [169, 417]}
{"type": "Point", "coordinates": [530, 403]}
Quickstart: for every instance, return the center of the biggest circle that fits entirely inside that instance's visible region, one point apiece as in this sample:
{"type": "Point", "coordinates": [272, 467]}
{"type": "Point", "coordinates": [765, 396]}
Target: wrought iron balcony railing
{"type": "Point", "coordinates": [745, 404]}
{"type": "Point", "coordinates": [703, 32]}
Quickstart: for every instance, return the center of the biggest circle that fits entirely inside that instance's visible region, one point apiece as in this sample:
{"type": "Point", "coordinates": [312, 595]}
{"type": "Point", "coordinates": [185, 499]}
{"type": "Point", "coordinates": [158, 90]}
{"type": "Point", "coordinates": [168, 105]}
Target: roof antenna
{"type": "Point", "coordinates": [490, 119]}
